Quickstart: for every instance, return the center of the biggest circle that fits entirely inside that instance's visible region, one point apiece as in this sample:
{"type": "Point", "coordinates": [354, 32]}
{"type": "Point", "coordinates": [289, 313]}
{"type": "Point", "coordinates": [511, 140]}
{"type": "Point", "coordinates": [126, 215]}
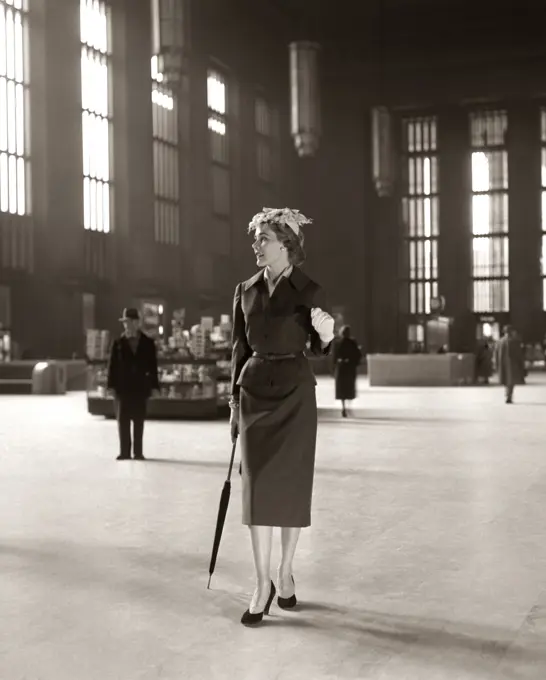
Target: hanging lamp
{"type": "Point", "coordinates": [169, 38]}
{"type": "Point", "coordinates": [305, 97]}
{"type": "Point", "coordinates": [382, 151]}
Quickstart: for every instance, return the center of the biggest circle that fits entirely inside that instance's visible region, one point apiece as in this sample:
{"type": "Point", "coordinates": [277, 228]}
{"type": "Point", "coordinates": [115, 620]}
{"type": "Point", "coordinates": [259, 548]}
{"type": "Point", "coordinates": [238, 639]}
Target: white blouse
{"type": "Point", "coordinates": [271, 285]}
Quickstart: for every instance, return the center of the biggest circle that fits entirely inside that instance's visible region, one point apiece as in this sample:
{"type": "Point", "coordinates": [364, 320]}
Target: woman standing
{"type": "Point", "coordinates": [347, 356]}
{"type": "Point", "coordinates": [273, 403]}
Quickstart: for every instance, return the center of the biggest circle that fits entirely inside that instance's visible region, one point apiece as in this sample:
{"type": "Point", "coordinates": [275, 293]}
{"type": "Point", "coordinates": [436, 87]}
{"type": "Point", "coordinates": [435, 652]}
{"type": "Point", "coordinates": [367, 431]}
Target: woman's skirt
{"type": "Point", "coordinates": [278, 433]}
{"type": "Point", "coordinates": [345, 381]}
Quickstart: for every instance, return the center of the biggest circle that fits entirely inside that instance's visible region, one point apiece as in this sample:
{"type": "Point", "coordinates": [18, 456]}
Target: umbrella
{"type": "Point", "coordinates": [222, 511]}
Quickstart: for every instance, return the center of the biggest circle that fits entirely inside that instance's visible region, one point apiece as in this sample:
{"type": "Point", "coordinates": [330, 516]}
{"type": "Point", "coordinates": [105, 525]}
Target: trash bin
{"type": "Point", "coordinates": [49, 377]}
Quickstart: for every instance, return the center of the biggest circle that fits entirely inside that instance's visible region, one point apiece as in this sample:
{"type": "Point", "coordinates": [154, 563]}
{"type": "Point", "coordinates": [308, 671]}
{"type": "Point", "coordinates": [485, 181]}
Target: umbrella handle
{"type": "Point", "coordinates": [232, 459]}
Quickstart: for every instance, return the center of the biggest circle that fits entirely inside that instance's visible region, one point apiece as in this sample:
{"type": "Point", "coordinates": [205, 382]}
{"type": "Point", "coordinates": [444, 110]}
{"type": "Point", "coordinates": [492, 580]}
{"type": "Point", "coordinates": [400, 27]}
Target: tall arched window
{"type": "Point", "coordinates": [219, 143]}
{"type": "Point", "coordinates": [14, 158]}
{"type": "Point", "coordinates": [490, 244]}
{"type": "Point", "coordinates": [543, 201]}
{"type": "Point", "coordinates": [166, 160]}
{"type": "Point", "coordinates": [420, 209]}
{"type": "Point", "coordinates": [96, 114]}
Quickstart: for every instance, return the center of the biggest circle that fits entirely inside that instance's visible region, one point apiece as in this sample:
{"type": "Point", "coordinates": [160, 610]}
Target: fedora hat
{"type": "Point", "coordinates": [130, 313]}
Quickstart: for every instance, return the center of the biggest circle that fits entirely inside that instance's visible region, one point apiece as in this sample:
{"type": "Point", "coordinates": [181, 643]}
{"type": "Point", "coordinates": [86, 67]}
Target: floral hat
{"type": "Point", "coordinates": [293, 218]}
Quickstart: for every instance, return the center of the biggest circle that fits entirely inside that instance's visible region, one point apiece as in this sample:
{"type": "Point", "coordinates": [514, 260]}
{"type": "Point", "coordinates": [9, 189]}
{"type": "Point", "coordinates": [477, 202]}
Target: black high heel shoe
{"type": "Point", "coordinates": [249, 619]}
{"type": "Point", "coordinates": [288, 602]}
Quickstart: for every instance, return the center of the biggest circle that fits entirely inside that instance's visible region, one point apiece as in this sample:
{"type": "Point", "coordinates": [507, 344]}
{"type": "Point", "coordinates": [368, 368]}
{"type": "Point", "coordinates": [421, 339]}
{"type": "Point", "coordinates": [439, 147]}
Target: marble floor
{"type": "Point", "coordinates": [426, 559]}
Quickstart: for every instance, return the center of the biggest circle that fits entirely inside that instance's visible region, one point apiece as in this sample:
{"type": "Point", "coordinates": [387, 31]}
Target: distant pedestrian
{"type": "Point", "coordinates": [510, 362]}
{"type": "Point", "coordinates": [483, 362]}
{"type": "Point", "coordinates": [133, 377]}
{"type": "Point", "coordinates": [347, 357]}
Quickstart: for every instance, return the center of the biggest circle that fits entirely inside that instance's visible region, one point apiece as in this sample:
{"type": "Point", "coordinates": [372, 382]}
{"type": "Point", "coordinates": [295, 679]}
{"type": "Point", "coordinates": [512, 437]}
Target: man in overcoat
{"type": "Point", "coordinates": [510, 362]}
{"type": "Point", "coordinates": [133, 377]}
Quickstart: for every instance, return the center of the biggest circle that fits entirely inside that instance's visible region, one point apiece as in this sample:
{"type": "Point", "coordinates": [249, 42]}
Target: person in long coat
{"type": "Point", "coordinates": [133, 378]}
{"type": "Point", "coordinates": [347, 357]}
{"type": "Point", "coordinates": [510, 362]}
{"type": "Point", "coordinates": [277, 314]}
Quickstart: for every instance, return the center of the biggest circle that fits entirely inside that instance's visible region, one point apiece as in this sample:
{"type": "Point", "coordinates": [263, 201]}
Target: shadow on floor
{"type": "Point", "coordinates": [188, 463]}
{"type": "Point", "coordinates": [403, 476]}
{"type": "Point", "coordinates": [223, 466]}
{"type": "Point", "coordinates": [141, 575]}
{"type": "Point", "coordinates": [420, 634]}
{"type": "Point", "coordinates": [215, 465]}
{"type": "Point", "coordinates": [363, 417]}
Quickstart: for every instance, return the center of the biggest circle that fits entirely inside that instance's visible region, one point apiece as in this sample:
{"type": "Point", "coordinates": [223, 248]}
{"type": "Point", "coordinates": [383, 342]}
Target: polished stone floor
{"type": "Point", "coordinates": [426, 559]}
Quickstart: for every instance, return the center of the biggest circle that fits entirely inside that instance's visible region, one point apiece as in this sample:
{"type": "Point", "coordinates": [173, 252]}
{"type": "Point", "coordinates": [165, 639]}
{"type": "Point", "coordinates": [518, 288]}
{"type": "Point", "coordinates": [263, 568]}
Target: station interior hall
{"type": "Point", "coordinates": [138, 138]}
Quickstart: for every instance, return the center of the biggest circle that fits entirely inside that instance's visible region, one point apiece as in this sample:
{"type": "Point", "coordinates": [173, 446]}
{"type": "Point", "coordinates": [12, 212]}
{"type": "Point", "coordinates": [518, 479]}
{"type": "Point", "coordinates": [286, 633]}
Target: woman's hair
{"type": "Point", "coordinates": [345, 332]}
{"type": "Point", "coordinates": [291, 241]}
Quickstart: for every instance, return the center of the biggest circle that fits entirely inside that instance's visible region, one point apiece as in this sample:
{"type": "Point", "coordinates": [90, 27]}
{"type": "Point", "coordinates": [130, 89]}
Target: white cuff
{"type": "Point", "coordinates": [326, 339]}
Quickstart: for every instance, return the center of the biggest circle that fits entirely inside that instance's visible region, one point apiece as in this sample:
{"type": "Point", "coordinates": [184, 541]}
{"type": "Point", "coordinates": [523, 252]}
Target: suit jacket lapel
{"type": "Point", "coordinates": [298, 279]}
{"type": "Point", "coordinates": [253, 291]}
{"type": "Point", "coordinates": [253, 280]}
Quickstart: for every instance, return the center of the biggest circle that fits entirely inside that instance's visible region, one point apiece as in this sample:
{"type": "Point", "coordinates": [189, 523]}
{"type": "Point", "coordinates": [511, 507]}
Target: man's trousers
{"type": "Point", "coordinates": [130, 408]}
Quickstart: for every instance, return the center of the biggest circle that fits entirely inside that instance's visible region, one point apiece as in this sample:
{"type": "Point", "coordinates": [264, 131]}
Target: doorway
{"type": "Point", "coordinates": [488, 329]}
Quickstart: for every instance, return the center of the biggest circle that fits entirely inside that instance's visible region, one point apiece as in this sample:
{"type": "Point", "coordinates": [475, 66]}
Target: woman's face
{"type": "Point", "coordinates": [267, 247]}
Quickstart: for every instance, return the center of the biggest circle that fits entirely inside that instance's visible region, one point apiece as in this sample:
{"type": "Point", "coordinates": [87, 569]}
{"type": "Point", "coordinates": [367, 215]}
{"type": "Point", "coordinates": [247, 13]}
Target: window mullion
{"type": "Point", "coordinates": [96, 119]}
{"type": "Point", "coordinates": [490, 229]}
{"type": "Point", "coordinates": [420, 214]}
{"type": "Point", "coordinates": [14, 148]}
{"type": "Point", "coordinates": [166, 160]}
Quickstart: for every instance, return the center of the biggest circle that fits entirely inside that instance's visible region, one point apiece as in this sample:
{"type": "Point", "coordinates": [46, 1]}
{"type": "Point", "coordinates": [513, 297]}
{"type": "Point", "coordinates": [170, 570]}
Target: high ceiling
{"type": "Point", "coordinates": [338, 13]}
{"type": "Point", "coordinates": [342, 11]}
{"type": "Point", "coordinates": [365, 27]}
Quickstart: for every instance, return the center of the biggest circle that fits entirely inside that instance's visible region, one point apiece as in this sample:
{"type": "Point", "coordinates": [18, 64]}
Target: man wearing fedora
{"type": "Point", "coordinates": [132, 376]}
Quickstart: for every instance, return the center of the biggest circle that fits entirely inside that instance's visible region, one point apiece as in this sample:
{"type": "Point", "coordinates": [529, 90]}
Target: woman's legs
{"type": "Point", "coordinates": [289, 542]}
{"type": "Point", "coordinates": [343, 409]}
{"type": "Point", "coordinates": [261, 548]}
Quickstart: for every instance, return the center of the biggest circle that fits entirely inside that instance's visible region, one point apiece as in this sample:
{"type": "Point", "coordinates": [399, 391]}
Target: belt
{"type": "Point", "coordinates": [276, 357]}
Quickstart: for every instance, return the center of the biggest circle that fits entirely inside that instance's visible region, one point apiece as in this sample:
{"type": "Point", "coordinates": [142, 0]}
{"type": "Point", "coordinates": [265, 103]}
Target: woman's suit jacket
{"type": "Point", "coordinates": [280, 324]}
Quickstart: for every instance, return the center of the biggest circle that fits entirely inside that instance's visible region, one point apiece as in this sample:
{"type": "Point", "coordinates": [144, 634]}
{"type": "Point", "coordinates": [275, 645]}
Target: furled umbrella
{"type": "Point", "coordinates": [222, 511]}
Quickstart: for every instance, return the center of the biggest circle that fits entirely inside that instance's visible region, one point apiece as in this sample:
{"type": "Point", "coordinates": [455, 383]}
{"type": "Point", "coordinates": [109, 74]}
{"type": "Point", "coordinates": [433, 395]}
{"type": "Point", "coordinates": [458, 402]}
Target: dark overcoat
{"type": "Point", "coordinates": [131, 373]}
{"type": "Point", "coordinates": [510, 361]}
{"type": "Point", "coordinates": [347, 357]}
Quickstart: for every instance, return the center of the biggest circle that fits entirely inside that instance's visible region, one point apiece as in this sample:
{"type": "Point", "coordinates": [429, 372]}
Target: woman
{"type": "Point", "coordinates": [483, 364]}
{"type": "Point", "coordinates": [347, 356]}
{"type": "Point", "coordinates": [273, 402]}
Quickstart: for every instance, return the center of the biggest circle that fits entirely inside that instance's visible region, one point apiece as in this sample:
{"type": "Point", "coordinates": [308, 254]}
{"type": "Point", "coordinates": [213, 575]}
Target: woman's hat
{"type": "Point", "coordinates": [130, 313]}
{"type": "Point", "coordinates": [291, 217]}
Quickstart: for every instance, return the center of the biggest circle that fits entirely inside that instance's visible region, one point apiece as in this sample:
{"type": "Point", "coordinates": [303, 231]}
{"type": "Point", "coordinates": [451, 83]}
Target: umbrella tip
{"type": "Point", "coordinates": [208, 586]}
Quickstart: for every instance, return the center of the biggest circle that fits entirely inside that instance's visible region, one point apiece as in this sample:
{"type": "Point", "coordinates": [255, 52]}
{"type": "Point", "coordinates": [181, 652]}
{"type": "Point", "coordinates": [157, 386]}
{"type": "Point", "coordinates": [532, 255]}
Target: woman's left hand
{"type": "Point", "coordinates": [323, 323]}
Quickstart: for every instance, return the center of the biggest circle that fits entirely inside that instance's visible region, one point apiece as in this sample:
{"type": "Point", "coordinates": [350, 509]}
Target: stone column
{"type": "Point", "coordinates": [524, 211]}
{"type": "Point", "coordinates": [455, 239]}
{"type": "Point", "coordinates": [132, 139]}
{"type": "Point", "coordinates": [386, 250]}
{"type": "Point", "coordinates": [56, 159]}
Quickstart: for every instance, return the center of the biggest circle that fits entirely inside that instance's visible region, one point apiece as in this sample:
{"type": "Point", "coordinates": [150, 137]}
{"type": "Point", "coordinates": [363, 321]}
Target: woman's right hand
{"type": "Point", "coordinates": [234, 424]}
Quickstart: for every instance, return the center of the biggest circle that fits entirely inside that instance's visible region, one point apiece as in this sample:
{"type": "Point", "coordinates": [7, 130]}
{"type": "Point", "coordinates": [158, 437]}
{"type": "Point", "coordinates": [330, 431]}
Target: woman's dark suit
{"type": "Point", "coordinates": [276, 386]}
{"type": "Point", "coordinates": [347, 357]}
